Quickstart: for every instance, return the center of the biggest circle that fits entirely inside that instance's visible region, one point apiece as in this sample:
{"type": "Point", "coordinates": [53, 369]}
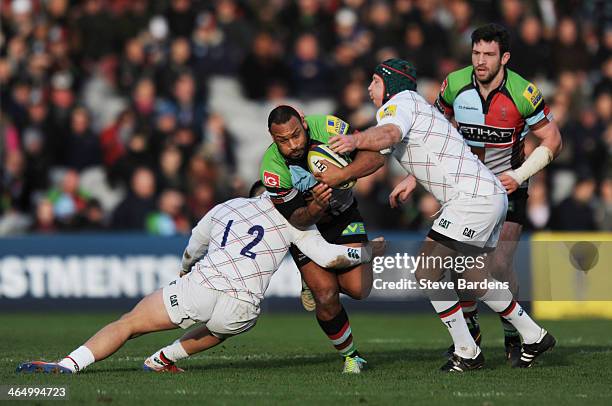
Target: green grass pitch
{"type": "Point", "coordinates": [286, 359]}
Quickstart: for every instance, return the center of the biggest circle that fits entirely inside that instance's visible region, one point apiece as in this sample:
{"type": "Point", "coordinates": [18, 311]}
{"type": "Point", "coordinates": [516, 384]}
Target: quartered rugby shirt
{"type": "Point", "coordinates": [495, 128]}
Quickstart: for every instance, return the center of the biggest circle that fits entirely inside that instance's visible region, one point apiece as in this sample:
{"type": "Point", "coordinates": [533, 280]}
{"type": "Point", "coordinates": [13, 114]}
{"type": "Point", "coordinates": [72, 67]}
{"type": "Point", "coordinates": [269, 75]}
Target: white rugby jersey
{"type": "Point", "coordinates": [434, 152]}
{"type": "Point", "coordinates": [245, 241]}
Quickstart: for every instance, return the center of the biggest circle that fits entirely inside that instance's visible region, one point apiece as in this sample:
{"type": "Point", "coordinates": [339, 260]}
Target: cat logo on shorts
{"type": "Point", "coordinates": [444, 223]}
{"type": "Point", "coordinates": [468, 232]}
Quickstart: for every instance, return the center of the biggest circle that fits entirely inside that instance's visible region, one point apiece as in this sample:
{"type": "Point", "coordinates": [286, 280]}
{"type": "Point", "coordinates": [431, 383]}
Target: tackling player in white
{"type": "Point", "coordinates": [227, 265]}
{"type": "Point", "coordinates": [473, 201]}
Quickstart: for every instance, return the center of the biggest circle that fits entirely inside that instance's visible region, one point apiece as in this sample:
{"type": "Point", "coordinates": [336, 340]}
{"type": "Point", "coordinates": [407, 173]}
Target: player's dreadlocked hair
{"type": "Point", "coordinates": [493, 32]}
{"type": "Point", "coordinates": [282, 114]}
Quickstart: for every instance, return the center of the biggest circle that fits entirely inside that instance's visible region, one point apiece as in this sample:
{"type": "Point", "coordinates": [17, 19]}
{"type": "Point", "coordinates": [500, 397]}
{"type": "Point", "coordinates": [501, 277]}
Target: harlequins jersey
{"type": "Point", "coordinates": [276, 175]}
{"type": "Point", "coordinates": [494, 128]}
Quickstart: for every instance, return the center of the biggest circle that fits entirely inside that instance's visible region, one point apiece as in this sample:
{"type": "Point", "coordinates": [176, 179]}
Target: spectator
{"type": "Point", "coordinates": [96, 38]}
{"type": "Point", "coordinates": [15, 193]}
{"type": "Point", "coordinates": [170, 219]}
{"type": "Point", "coordinates": [132, 212]}
{"type": "Point", "coordinates": [310, 72]}
{"type": "Point", "coordinates": [381, 25]}
{"type": "Point", "coordinates": [144, 102]}
{"type": "Point", "coordinates": [69, 200]}
{"type": "Point", "coordinates": [211, 50]}
{"type": "Point", "coordinates": [414, 49]}
{"type": "Point", "coordinates": [137, 155]}
{"type": "Point", "coordinates": [604, 212]}
{"type": "Point", "coordinates": [45, 221]}
{"type": "Point", "coordinates": [262, 67]}
{"type": "Point", "coordinates": [569, 43]}
{"type": "Point", "coordinates": [169, 173]}
{"type": "Point", "coordinates": [181, 17]}
{"type": "Point", "coordinates": [133, 65]}
{"type": "Point", "coordinates": [114, 138]}
{"type": "Point", "coordinates": [576, 212]}
{"type": "Point", "coordinates": [82, 145]}
{"type": "Point", "coordinates": [178, 65]}
{"type": "Point", "coordinates": [219, 142]}
{"type": "Point", "coordinates": [531, 50]}
{"type": "Point", "coordinates": [538, 207]}
{"type": "Point", "coordinates": [354, 108]}
{"type": "Point", "coordinates": [190, 113]}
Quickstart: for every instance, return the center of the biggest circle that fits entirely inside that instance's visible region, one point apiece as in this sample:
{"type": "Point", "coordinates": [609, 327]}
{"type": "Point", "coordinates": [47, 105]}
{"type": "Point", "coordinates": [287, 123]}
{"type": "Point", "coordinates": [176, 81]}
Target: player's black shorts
{"type": "Point", "coordinates": [346, 228]}
{"type": "Point", "coordinates": [517, 206]}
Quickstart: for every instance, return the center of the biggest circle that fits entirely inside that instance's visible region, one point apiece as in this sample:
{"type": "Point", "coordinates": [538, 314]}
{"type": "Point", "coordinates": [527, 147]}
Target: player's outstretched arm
{"type": "Point", "coordinates": [373, 139]}
{"type": "Point", "coordinates": [327, 255]}
{"type": "Point", "coordinates": [198, 242]}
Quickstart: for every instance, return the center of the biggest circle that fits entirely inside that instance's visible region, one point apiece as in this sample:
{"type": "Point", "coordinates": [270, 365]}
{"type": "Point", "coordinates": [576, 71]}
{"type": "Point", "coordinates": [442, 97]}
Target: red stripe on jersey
{"type": "Point", "coordinates": [340, 333]}
{"type": "Point", "coordinates": [503, 113]}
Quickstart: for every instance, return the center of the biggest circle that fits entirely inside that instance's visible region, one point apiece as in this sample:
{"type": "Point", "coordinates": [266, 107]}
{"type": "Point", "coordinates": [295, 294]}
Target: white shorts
{"type": "Point", "coordinates": [188, 302]}
{"type": "Point", "coordinates": [471, 222]}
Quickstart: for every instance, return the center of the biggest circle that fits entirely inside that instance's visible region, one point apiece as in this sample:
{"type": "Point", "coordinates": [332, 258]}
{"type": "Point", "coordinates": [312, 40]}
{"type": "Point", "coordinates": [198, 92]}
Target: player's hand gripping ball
{"type": "Point", "coordinates": [321, 152]}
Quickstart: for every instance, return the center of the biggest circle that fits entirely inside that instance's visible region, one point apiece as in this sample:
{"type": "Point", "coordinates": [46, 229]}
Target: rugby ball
{"type": "Point", "coordinates": [318, 153]}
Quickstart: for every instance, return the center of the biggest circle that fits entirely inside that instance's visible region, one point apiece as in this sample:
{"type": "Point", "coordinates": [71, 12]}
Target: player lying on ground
{"type": "Point", "coordinates": [474, 205]}
{"type": "Point", "coordinates": [243, 242]}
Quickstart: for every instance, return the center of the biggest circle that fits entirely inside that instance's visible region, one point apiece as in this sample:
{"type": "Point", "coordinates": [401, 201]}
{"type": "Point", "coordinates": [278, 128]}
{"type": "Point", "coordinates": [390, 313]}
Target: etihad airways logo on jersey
{"type": "Point", "coordinates": [487, 134]}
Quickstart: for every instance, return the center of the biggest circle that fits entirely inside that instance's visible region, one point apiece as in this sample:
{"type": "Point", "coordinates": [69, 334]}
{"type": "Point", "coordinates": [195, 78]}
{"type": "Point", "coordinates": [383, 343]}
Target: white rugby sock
{"type": "Point", "coordinates": [169, 354]}
{"type": "Point", "coordinates": [501, 302]}
{"type": "Point", "coordinates": [175, 351]}
{"type": "Point", "coordinates": [452, 317]}
{"type": "Point", "coordinates": [78, 359]}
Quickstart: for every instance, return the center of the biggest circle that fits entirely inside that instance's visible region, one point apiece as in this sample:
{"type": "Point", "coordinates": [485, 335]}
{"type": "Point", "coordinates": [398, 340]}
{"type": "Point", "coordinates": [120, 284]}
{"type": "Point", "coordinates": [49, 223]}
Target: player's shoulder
{"type": "Point", "coordinates": [455, 82]}
{"type": "Point", "coordinates": [322, 126]}
{"type": "Point", "coordinates": [389, 109]}
{"type": "Point", "coordinates": [273, 171]}
{"type": "Point", "coordinates": [524, 93]}
{"type": "Point", "coordinates": [461, 77]}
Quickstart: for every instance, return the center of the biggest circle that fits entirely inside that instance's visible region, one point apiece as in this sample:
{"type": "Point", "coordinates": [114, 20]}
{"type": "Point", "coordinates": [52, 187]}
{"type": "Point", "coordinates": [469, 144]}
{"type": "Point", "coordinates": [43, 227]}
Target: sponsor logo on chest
{"type": "Point", "coordinates": [464, 107]}
{"type": "Point", "coordinates": [484, 133]}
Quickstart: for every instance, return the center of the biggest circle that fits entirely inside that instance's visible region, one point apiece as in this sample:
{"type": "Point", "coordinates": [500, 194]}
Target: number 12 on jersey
{"type": "Point", "coordinates": [257, 231]}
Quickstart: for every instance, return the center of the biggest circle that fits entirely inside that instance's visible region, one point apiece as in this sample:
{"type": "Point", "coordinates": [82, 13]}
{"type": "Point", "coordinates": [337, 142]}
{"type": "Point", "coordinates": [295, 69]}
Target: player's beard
{"type": "Point", "coordinates": [489, 78]}
{"type": "Point", "coordinates": [296, 155]}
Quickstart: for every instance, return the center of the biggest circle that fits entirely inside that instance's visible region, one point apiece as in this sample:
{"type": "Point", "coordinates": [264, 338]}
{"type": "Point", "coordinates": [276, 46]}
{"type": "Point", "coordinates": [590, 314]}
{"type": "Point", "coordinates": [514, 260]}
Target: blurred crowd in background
{"type": "Point", "coordinates": [107, 119]}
